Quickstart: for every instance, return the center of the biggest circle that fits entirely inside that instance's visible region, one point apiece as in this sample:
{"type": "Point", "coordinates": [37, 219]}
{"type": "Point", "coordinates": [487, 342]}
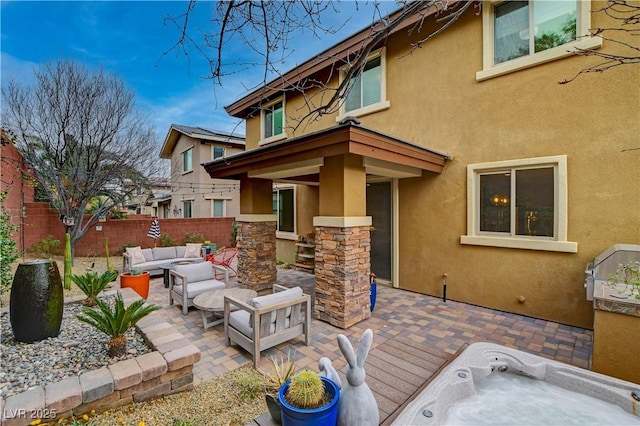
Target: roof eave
{"type": "Point", "coordinates": [317, 63]}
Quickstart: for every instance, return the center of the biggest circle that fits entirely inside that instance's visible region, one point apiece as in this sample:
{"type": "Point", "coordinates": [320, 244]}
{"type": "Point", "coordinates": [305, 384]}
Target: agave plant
{"type": "Point", "coordinates": [92, 284]}
{"type": "Point", "coordinates": [115, 321]}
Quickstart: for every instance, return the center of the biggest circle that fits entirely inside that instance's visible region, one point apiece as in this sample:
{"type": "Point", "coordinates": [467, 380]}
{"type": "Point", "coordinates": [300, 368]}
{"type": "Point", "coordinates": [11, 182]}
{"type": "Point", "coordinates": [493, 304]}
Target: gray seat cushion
{"type": "Point", "coordinates": [196, 288]}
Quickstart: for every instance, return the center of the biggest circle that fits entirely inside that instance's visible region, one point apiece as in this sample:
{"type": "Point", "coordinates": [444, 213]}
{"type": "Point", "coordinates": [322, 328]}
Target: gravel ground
{"type": "Point", "coordinates": [77, 349]}
{"type": "Point", "coordinates": [216, 402]}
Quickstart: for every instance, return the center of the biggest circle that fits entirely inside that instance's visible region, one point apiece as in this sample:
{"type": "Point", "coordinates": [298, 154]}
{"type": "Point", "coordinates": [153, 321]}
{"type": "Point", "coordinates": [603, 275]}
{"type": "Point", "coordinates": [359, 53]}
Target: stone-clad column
{"type": "Point", "coordinates": [342, 267]}
{"type": "Point", "coordinates": [256, 244]}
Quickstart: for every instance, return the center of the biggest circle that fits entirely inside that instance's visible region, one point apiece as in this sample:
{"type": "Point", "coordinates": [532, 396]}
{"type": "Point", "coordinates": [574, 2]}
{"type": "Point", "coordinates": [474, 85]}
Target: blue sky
{"type": "Point", "coordinates": [130, 38]}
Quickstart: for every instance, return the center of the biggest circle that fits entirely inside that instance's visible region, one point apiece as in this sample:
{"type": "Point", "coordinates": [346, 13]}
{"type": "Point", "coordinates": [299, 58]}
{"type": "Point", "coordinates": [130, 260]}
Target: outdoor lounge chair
{"type": "Point", "coordinates": [267, 321]}
{"type": "Point", "coordinates": [225, 258]}
{"type": "Point", "coordinates": [188, 281]}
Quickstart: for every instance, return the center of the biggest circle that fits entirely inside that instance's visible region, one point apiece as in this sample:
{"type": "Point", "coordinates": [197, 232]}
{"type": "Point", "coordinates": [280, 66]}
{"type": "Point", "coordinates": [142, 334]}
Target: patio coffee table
{"type": "Point", "coordinates": [212, 302]}
{"type": "Point", "coordinates": [166, 267]}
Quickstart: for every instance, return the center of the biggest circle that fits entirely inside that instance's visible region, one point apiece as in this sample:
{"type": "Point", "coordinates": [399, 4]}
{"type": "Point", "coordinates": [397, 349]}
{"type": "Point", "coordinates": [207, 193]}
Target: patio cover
{"type": "Point", "coordinates": [299, 159]}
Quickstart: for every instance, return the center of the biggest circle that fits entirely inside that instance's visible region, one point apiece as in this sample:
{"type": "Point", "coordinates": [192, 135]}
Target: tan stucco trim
{"type": "Point", "coordinates": [342, 221]}
{"type": "Point", "coordinates": [256, 218]}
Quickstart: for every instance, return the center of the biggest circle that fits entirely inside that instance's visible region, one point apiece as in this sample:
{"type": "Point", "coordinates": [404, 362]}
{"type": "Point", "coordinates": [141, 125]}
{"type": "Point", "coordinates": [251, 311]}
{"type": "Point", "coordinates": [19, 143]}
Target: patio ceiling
{"type": "Point", "coordinates": [299, 159]}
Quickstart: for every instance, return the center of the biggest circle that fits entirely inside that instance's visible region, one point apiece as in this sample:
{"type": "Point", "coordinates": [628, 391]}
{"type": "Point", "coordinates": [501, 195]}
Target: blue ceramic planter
{"type": "Point", "coordinates": [323, 416]}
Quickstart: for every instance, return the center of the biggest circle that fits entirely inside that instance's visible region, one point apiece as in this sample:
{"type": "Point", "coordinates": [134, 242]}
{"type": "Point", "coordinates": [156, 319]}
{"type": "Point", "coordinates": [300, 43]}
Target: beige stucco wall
{"type": "Point", "coordinates": [616, 345]}
{"type": "Point", "coordinates": [203, 186]}
{"type": "Point", "coordinates": [437, 103]}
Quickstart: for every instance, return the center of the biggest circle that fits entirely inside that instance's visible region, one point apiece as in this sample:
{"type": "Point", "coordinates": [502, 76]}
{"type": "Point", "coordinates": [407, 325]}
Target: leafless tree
{"type": "Point", "coordinates": [79, 131]}
{"type": "Point", "coordinates": [627, 15]}
{"type": "Point", "coordinates": [268, 31]}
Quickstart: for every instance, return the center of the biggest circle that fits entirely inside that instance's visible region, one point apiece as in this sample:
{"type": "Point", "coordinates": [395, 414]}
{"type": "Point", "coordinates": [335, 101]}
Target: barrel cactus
{"type": "Point", "coordinates": [306, 390]}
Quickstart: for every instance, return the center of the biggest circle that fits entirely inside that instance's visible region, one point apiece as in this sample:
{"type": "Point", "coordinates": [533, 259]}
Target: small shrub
{"type": "Point", "coordinates": [117, 214]}
{"type": "Point", "coordinates": [281, 371]}
{"type": "Point", "coordinates": [234, 234]}
{"type": "Point", "coordinates": [8, 248]}
{"type": "Point", "coordinates": [250, 382]}
{"type": "Point", "coordinates": [115, 321]}
{"type": "Point", "coordinates": [123, 248]}
{"type": "Point", "coordinates": [167, 241]}
{"type": "Point", "coordinates": [195, 237]}
{"type": "Point", "coordinates": [135, 271]}
{"type": "Point", "coordinates": [46, 247]}
{"type": "Point", "coordinates": [92, 284]}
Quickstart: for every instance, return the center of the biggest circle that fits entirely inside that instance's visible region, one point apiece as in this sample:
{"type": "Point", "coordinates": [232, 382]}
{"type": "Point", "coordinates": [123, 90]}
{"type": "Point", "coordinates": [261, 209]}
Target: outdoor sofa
{"type": "Point", "coordinates": [150, 259]}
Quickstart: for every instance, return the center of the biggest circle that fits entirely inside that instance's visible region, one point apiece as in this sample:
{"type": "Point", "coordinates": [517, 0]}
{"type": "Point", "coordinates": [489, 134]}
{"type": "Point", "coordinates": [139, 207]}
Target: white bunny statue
{"type": "Point", "coordinates": [357, 405]}
{"type": "Point", "coordinates": [326, 369]}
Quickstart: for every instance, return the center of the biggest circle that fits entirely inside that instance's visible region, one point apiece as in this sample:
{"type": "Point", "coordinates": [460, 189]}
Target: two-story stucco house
{"type": "Point", "coordinates": [465, 158]}
{"type": "Point", "coordinates": [193, 192]}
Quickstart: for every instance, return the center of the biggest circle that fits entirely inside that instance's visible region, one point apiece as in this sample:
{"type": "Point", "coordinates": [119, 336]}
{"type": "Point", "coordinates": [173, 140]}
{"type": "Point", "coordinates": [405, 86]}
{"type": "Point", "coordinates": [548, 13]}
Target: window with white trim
{"type": "Point", "coordinates": [366, 92]}
{"type": "Point", "coordinates": [284, 209]}
{"type": "Point", "coordinates": [518, 204]}
{"type": "Point", "coordinates": [520, 34]}
{"type": "Point", "coordinates": [217, 152]}
{"type": "Point", "coordinates": [217, 208]}
{"type": "Point", "coordinates": [187, 160]}
{"type": "Point", "coordinates": [273, 121]}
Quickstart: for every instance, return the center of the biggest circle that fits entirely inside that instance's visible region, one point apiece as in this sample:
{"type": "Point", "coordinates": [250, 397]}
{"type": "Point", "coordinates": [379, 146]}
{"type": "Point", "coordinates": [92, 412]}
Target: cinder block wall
{"type": "Point", "coordinates": [41, 221]}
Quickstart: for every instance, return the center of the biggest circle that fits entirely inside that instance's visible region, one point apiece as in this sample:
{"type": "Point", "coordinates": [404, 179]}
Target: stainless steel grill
{"type": "Point", "coordinates": [607, 262]}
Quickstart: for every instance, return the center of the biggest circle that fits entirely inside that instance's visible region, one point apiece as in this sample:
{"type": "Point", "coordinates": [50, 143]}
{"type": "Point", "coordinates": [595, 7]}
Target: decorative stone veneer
{"type": "Point", "coordinates": [342, 267]}
{"type": "Point", "coordinates": [256, 242]}
{"type": "Point", "coordinates": [165, 371]}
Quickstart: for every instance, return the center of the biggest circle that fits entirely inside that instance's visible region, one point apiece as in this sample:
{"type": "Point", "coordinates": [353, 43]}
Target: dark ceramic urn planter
{"type": "Point", "coordinates": [36, 301]}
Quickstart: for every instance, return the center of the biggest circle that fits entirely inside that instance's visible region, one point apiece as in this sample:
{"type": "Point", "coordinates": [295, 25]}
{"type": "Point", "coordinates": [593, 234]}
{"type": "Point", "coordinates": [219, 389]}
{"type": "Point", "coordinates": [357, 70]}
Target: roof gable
{"type": "Point", "coordinates": [200, 133]}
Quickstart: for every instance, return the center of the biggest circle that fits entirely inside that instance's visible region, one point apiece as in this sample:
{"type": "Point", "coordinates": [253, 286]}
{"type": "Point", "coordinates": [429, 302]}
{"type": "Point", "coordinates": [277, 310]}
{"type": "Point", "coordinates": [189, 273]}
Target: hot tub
{"type": "Point", "coordinates": [458, 381]}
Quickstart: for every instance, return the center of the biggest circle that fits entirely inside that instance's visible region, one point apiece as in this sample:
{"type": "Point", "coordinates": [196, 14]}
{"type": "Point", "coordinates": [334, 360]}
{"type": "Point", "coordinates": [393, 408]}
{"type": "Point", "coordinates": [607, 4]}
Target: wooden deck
{"type": "Point", "coordinates": [397, 370]}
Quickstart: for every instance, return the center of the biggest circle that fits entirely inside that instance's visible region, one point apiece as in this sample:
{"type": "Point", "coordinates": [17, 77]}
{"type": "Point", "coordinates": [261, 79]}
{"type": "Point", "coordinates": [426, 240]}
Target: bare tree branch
{"type": "Point", "coordinates": [79, 131]}
{"type": "Point", "coordinates": [627, 13]}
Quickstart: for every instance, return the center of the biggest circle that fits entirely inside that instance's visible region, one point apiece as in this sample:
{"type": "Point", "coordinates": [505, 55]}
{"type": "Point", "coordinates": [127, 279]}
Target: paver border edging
{"type": "Point", "coordinates": [168, 369]}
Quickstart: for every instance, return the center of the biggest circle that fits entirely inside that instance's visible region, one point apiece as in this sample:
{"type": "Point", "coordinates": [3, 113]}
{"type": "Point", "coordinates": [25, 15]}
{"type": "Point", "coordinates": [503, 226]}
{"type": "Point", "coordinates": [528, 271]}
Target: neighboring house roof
{"type": "Point", "coordinates": [328, 58]}
{"type": "Point", "coordinates": [299, 159]}
{"type": "Point", "coordinates": [204, 135]}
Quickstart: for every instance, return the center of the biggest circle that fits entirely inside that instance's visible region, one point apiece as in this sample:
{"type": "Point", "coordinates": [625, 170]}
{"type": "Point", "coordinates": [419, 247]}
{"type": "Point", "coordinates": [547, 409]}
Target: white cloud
{"type": "Point", "coordinates": [14, 68]}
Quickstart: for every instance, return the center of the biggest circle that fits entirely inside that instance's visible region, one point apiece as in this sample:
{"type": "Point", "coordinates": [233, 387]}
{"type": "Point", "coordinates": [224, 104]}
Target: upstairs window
{"type": "Point", "coordinates": [524, 28]}
{"type": "Point", "coordinates": [187, 160]}
{"type": "Point", "coordinates": [364, 89]}
{"type": "Point", "coordinates": [273, 122]}
{"type": "Point", "coordinates": [217, 152]}
{"type": "Point", "coordinates": [366, 92]}
{"type": "Point", "coordinates": [521, 34]}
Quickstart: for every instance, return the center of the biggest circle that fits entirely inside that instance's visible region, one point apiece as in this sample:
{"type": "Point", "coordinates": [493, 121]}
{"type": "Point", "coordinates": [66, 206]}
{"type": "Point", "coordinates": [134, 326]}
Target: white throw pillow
{"type": "Point", "coordinates": [136, 254]}
{"type": "Point", "coordinates": [193, 250]}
